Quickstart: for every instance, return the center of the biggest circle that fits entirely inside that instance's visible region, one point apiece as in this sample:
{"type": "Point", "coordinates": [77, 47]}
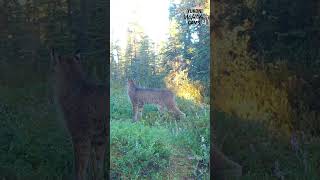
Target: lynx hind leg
{"type": "Point", "coordinates": [172, 107]}
{"type": "Point", "coordinates": [178, 114]}
{"type": "Point", "coordinates": [161, 110]}
{"type": "Point", "coordinates": [82, 151]}
{"type": "Point", "coordinates": [140, 110]}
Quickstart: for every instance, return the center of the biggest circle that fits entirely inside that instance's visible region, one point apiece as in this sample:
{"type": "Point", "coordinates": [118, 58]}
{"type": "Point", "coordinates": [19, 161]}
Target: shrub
{"type": "Point", "coordinates": [138, 150]}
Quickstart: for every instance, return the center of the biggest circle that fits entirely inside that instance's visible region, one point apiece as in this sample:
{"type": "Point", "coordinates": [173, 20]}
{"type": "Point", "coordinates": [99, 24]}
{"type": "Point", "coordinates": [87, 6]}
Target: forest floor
{"type": "Point", "coordinates": [34, 143]}
{"type": "Point", "coordinates": [158, 146]}
{"type": "Point", "coordinates": [267, 153]}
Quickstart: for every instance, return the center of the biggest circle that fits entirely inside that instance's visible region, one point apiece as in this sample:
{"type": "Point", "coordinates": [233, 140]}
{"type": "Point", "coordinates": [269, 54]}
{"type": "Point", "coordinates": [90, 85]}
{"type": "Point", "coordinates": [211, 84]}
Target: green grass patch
{"type": "Point", "coordinates": [267, 153]}
{"type": "Point", "coordinates": [158, 146]}
{"type": "Point", "coordinates": [138, 150]}
{"type": "Point", "coordinates": [33, 142]}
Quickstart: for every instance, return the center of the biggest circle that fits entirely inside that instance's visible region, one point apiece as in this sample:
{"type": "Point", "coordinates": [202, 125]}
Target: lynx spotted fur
{"type": "Point", "coordinates": [162, 97]}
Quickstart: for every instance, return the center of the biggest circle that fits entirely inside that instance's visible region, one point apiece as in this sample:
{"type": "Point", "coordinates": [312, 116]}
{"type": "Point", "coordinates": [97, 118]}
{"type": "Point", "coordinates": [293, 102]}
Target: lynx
{"type": "Point", "coordinates": [161, 97]}
{"type": "Point", "coordinates": [84, 107]}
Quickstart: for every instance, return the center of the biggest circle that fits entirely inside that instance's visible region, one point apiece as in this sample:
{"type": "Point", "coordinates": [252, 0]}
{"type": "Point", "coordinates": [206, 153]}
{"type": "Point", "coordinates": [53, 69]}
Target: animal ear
{"type": "Point", "coordinates": [77, 54]}
{"type": "Point", "coordinates": [131, 81]}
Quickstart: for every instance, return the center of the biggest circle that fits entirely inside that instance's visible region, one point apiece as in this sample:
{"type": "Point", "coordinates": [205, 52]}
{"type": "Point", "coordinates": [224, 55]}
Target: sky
{"type": "Point", "coordinates": [152, 15]}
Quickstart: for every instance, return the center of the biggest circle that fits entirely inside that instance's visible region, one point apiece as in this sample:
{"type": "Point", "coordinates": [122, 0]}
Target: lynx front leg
{"type": "Point", "coordinates": [172, 107]}
{"type": "Point", "coordinates": [99, 143]}
{"type": "Point", "coordinates": [135, 110]}
{"type": "Point", "coordinates": [82, 150]}
{"type": "Point", "coordinates": [161, 110]}
{"type": "Point", "coordinates": [140, 110]}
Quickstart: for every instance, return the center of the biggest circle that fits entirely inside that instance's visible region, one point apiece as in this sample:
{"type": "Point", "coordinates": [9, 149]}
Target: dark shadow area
{"type": "Point", "coordinates": [265, 86]}
{"type": "Point", "coordinates": [265, 152]}
{"type": "Point", "coordinates": [34, 142]}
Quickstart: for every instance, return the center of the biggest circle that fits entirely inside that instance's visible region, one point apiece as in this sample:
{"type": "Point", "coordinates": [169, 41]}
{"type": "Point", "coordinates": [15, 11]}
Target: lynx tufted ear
{"type": "Point", "coordinates": [130, 81]}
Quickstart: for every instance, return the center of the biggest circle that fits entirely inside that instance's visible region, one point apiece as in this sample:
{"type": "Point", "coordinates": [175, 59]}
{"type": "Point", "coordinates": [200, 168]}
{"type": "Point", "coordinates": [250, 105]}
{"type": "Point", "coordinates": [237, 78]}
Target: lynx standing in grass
{"type": "Point", "coordinates": [161, 97]}
{"type": "Point", "coordinates": [84, 107]}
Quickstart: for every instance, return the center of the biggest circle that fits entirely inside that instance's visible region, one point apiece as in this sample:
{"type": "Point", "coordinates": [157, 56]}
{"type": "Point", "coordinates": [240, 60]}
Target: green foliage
{"type": "Point", "coordinates": [264, 152]}
{"type": "Point", "coordinates": [245, 90]}
{"type": "Point", "coordinates": [158, 146]}
{"type": "Point", "coordinates": [183, 44]}
{"type": "Point", "coordinates": [288, 30]}
{"type": "Point", "coordinates": [264, 73]}
{"type": "Point", "coordinates": [148, 62]}
{"type": "Point", "coordinates": [34, 145]}
{"type": "Point", "coordinates": [138, 150]}
{"type": "Point", "coordinates": [33, 142]}
{"type": "Point", "coordinates": [257, 86]}
{"type": "Point", "coordinates": [31, 28]}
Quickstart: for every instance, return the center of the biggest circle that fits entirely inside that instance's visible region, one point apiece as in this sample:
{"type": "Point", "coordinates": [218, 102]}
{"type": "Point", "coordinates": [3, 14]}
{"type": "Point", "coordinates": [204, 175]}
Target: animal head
{"type": "Point", "coordinates": [131, 83]}
{"type": "Point", "coordinates": [66, 66]}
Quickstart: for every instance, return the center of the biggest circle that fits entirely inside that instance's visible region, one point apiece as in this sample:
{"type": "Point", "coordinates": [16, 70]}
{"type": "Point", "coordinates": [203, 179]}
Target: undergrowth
{"type": "Point", "coordinates": [267, 153]}
{"type": "Point", "coordinates": [158, 146]}
{"type": "Point", "coordinates": [33, 142]}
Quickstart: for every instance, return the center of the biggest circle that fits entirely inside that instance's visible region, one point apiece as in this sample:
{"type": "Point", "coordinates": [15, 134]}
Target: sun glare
{"type": "Point", "coordinates": [151, 15]}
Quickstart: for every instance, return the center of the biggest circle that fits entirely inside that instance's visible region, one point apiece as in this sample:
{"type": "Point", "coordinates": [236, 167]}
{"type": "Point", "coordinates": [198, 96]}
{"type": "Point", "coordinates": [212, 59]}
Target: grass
{"type": "Point", "coordinates": [267, 153]}
{"type": "Point", "coordinates": [34, 144]}
{"type": "Point", "coordinates": [158, 146]}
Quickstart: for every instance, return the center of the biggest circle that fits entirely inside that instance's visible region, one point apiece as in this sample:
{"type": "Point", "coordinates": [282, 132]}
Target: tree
{"type": "Point", "coordinates": [189, 42]}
